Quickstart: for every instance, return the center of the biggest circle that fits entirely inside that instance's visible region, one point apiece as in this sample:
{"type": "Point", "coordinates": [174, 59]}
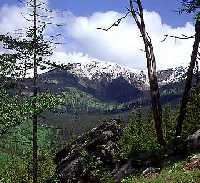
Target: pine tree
{"type": "Point", "coordinates": [32, 52]}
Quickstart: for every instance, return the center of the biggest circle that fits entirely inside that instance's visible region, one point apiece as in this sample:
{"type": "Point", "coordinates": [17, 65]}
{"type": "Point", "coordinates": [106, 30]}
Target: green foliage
{"type": "Point", "coordinates": [44, 102]}
{"type": "Point", "coordinates": [15, 110]}
{"type": "Point", "coordinates": [7, 65]}
{"type": "Point", "coordinates": [12, 111]}
{"type": "Point", "coordinates": [24, 49]}
{"type": "Point", "coordinates": [77, 101]}
{"type": "Point", "coordinates": [16, 155]}
{"type": "Point", "coordinates": [138, 136]}
{"type": "Point", "coordinates": [90, 161]}
{"type": "Point", "coordinates": [95, 167]}
{"type": "Point", "coordinates": [192, 120]}
{"type": "Point", "coordinates": [16, 138]}
{"type": "Point", "coordinates": [169, 122]}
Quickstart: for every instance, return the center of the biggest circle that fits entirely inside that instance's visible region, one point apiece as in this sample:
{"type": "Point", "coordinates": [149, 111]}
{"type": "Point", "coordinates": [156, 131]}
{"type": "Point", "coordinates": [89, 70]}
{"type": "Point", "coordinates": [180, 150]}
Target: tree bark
{"type": "Point", "coordinates": [35, 120]}
{"type": "Point", "coordinates": [154, 89]}
{"type": "Point", "coordinates": [197, 76]}
{"type": "Point", "coordinates": [151, 66]}
{"type": "Point", "coordinates": [188, 83]}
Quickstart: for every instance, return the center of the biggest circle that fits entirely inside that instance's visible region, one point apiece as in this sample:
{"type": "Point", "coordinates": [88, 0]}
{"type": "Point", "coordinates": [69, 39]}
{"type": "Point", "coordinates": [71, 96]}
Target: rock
{"type": "Point", "coordinates": [126, 169]}
{"type": "Point", "coordinates": [194, 163]}
{"type": "Point", "coordinates": [71, 169]}
{"type": "Point", "coordinates": [98, 146]}
{"type": "Point", "coordinates": [151, 172]}
{"type": "Point", "coordinates": [194, 141]}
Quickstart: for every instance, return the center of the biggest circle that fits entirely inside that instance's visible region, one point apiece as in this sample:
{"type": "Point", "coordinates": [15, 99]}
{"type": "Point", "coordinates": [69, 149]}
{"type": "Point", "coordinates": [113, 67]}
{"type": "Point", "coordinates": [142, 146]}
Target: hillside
{"type": "Point", "coordinates": [110, 82]}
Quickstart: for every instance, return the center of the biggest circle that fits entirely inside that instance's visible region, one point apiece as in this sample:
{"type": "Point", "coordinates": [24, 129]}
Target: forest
{"type": "Point", "coordinates": [65, 123]}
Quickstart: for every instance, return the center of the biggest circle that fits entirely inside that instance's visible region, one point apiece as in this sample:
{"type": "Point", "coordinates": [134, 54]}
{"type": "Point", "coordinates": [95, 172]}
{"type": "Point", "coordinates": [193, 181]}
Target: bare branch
{"type": "Point", "coordinates": [29, 20]}
{"type": "Point", "coordinates": [117, 23]}
{"type": "Point", "coordinates": [177, 37]}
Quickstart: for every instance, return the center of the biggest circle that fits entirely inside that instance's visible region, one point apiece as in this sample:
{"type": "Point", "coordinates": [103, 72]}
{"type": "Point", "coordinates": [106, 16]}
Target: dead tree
{"type": "Point", "coordinates": [137, 14]}
{"type": "Point", "coordinates": [188, 82]}
{"type": "Point", "coordinates": [189, 6]}
{"type": "Point", "coordinates": [197, 75]}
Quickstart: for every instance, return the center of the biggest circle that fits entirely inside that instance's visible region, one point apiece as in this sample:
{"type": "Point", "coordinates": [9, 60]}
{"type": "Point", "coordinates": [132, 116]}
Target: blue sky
{"type": "Point", "coordinates": [122, 44]}
{"type": "Point", "coordinates": [166, 8]}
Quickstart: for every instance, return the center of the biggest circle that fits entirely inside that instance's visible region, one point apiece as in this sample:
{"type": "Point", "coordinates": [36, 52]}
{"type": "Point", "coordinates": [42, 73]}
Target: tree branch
{"type": "Point", "coordinates": [117, 23]}
{"type": "Point", "coordinates": [184, 37]}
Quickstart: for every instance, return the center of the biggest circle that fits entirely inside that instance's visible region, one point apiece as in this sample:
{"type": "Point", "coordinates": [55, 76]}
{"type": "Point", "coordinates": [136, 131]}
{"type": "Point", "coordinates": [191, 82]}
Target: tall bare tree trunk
{"type": "Point", "coordinates": [197, 75]}
{"type": "Point", "coordinates": [35, 120]}
{"type": "Point", "coordinates": [155, 93]}
{"type": "Point", "coordinates": [188, 83]}
{"type": "Point", "coordinates": [151, 66]}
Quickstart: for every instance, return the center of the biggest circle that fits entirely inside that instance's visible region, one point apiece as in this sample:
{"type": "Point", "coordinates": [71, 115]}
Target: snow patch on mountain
{"type": "Point", "coordinates": [85, 66]}
{"type": "Point", "coordinates": [172, 75]}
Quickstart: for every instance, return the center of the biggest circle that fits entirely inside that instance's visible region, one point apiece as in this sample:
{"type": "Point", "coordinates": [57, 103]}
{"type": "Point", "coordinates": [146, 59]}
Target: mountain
{"type": "Point", "coordinates": [105, 81]}
{"type": "Point", "coordinates": [111, 82]}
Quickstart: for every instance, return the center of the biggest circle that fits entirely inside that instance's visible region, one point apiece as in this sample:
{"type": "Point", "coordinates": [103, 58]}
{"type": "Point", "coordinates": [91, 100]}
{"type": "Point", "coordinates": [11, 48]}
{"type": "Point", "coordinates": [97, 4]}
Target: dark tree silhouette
{"type": "Point", "coordinates": [189, 6]}
{"type": "Point", "coordinates": [35, 91]}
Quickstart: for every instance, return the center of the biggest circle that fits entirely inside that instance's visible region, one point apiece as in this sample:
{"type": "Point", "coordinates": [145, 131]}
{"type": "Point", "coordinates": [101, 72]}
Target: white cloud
{"type": "Point", "coordinates": [11, 19]}
{"type": "Point", "coordinates": [121, 44]}
{"type": "Point", "coordinates": [16, 19]}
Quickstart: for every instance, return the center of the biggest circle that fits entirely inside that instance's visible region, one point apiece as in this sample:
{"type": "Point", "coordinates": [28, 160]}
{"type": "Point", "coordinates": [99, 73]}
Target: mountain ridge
{"type": "Point", "coordinates": [110, 81]}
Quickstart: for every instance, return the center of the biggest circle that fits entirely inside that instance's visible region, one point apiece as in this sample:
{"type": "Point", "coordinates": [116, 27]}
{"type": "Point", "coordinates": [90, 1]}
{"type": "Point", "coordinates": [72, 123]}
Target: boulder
{"type": "Point", "coordinates": [78, 161]}
{"type": "Point", "coordinates": [194, 141]}
{"type": "Point", "coordinates": [193, 164]}
{"type": "Point", "coordinates": [82, 160]}
{"type": "Point", "coordinates": [124, 170]}
{"type": "Point", "coordinates": [151, 172]}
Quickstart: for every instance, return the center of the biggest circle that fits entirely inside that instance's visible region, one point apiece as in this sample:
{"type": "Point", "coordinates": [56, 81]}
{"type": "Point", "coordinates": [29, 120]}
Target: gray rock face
{"type": "Point", "coordinates": [194, 141]}
{"type": "Point", "coordinates": [96, 148]}
{"type": "Point", "coordinates": [83, 159]}
{"type": "Point", "coordinates": [150, 170]}
{"type": "Point", "coordinates": [126, 169]}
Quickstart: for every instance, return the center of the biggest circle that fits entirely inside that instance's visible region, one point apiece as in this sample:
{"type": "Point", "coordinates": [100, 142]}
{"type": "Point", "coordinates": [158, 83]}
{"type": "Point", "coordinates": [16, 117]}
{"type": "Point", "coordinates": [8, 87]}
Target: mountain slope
{"type": "Point", "coordinates": [111, 82]}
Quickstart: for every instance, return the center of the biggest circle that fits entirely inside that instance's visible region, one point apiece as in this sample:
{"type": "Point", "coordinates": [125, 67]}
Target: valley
{"type": "Point", "coordinates": [90, 97]}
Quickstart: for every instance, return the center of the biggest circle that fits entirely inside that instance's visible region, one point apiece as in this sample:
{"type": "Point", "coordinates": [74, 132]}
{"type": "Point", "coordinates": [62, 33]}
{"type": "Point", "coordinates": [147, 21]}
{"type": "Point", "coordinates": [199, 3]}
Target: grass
{"type": "Point", "coordinates": [172, 174]}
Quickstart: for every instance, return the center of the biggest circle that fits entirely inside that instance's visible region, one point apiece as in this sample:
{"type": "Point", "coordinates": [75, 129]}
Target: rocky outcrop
{"type": "Point", "coordinates": [151, 172]}
{"type": "Point", "coordinates": [194, 141]}
{"type": "Point", "coordinates": [94, 150]}
{"type": "Point", "coordinates": [86, 159]}
{"type": "Point", "coordinates": [92, 154]}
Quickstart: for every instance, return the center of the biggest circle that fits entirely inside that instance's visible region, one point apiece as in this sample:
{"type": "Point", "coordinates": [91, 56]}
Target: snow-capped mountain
{"type": "Point", "coordinates": [110, 81]}
{"type": "Point", "coordinates": [84, 66]}
{"type": "Point", "coordinates": [172, 75]}
{"type": "Point", "coordinates": [96, 70]}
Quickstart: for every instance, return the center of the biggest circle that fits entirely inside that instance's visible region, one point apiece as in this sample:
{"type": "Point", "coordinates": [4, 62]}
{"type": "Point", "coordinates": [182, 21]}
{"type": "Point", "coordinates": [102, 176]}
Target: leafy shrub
{"type": "Point", "coordinates": [169, 122]}
{"type": "Point", "coordinates": [192, 120]}
{"type": "Point", "coordinates": [96, 168]}
{"type": "Point", "coordinates": [138, 136]}
{"type": "Point", "coordinates": [17, 155]}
